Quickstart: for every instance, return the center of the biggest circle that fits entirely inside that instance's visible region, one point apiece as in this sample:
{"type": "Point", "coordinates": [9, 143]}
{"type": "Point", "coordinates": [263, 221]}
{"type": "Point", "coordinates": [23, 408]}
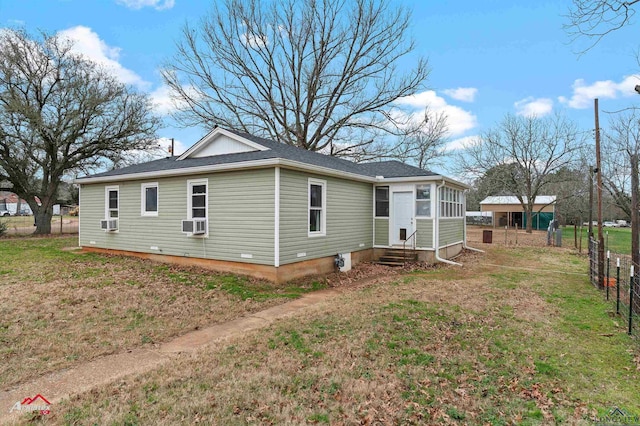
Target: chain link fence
{"type": "Point", "coordinates": [621, 284]}
{"type": "Point", "coordinates": [24, 225]}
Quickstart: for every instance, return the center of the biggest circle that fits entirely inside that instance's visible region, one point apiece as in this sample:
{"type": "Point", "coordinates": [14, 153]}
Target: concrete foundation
{"type": "Point", "coordinates": [281, 274]}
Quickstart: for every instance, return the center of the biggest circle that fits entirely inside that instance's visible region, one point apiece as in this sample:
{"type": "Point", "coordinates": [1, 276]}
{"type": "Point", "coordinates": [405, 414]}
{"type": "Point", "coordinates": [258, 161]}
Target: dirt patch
{"type": "Point", "coordinates": [509, 237]}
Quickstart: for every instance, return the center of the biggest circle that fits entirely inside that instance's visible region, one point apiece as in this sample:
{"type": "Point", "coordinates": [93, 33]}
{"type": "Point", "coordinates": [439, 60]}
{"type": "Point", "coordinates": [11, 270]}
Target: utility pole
{"type": "Point", "coordinates": [590, 202]}
{"type": "Point", "coordinates": [599, 188]}
{"type": "Point", "coordinates": [635, 242]}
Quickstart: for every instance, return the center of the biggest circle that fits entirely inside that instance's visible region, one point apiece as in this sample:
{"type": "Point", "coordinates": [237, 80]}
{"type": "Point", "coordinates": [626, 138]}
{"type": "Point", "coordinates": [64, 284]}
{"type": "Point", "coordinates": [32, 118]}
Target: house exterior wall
{"type": "Point", "coordinates": [425, 233]}
{"type": "Point", "coordinates": [450, 230]}
{"type": "Point", "coordinates": [240, 218]}
{"type": "Point", "coordinates": [349, 227]}
{"type": "Point", "coordinates": [381, 232]}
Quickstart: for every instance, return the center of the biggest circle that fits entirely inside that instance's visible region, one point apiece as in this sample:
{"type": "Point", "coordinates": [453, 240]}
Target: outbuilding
{"type": "Point", "coordinates": [508, 211]}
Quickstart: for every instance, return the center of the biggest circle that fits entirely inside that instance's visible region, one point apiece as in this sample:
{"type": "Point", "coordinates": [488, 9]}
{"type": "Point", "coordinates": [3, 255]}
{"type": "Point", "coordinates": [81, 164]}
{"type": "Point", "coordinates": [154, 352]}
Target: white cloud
{"type": "Point", "coordinates": [583, 94]}
{"type": "Point", "coordinates": [464, 94]}
{"type": "Point", "coordinates": [162, 102]}
{"type": "Point", "coordinates": [89, 44]}
{"type": "Point", "coordinates": [458, 119]}
{"type": "Point", "coordinates": [538, 107]}
{"type": "Point", "coordinates": [139, 4]}
{"type": "Point", "coordinates": [253, 40]}
{"type": "Point", "coordinates": [462, 143]}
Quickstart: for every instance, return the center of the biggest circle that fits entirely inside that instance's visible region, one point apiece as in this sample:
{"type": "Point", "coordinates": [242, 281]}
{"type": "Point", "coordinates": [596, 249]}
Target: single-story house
{"type": "Point", "coordinates": [239, 203]}
{"type": "Point", "coordinates": [507, 211]}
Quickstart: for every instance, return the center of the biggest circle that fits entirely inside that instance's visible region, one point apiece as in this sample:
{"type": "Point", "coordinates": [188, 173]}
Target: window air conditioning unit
{"type": "Point", "coordinates": [109, 224]}
{"type": "Point", "coordinates": [194, 226]}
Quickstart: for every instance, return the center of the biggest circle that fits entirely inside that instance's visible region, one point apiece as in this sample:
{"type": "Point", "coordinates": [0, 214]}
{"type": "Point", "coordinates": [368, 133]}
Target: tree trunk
{"type": "Point", "coordinates": [529, 213]}
{"type": "Point", "coordinates": [43, 221]}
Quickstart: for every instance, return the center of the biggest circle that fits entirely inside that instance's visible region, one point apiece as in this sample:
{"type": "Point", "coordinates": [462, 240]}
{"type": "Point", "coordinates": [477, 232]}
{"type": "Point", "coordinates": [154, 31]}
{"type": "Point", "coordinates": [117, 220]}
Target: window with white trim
{"type": "Point", "coordinates": [149, 199]}
{"type": "Point", "coordinates": [423, 200]}
{"type": "Point", "coordinates": [382, 201]}
{"type": "Point", "coordinates": [451, 202]}
{"type": "Point", "coordinates": [198, 198]}
{"type": "Point", "coordinates": [112, 202]}
{"type": "Point", "coordinates": [317, 207]}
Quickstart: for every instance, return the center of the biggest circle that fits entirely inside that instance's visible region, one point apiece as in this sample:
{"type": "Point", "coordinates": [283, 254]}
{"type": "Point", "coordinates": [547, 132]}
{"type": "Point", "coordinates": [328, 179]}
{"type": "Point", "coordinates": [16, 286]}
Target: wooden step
{"type": "Point", "coordinates": [389, 263]}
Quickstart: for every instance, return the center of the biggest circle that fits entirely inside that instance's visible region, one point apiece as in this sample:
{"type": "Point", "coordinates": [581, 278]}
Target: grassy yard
{"type": "Point", "coordinates": [617, 240]}
{"type": "Point", "coordinates": [59, 308]}
{"type": "Point", "coordinates": [517, 336]}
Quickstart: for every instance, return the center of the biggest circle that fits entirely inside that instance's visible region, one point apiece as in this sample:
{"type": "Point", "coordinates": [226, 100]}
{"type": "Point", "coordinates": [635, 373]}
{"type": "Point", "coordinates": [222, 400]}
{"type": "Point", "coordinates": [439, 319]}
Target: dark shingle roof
{"type": "Point", "coordinates": [387, 169]}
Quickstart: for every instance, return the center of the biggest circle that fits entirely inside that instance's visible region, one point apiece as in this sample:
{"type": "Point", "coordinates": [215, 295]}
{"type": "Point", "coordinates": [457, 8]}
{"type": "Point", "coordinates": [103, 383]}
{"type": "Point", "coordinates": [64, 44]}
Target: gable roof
{"type": "Point", "coordinates": [266, 153]}
{"type": "Point", "coordinates": [512, 199]}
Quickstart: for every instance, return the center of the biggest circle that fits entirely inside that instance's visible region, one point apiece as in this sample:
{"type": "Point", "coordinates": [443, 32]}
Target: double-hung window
{"type": "Point", "coordinates": [382, 201]}
{"type": "Point", "coordinates": [198, 204]}
{"type": "Point", "coordinates": [317, 207]}
{"type": "Point", "coordinates": [112, 202]}
{"type": "Point", "coordinates": [149, 197]}
{"type": "Point", "coordinates": [423, 200]}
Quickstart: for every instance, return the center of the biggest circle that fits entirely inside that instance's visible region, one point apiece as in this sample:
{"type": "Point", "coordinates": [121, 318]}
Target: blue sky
{"type": "Point", "coordinates": [487, 58]}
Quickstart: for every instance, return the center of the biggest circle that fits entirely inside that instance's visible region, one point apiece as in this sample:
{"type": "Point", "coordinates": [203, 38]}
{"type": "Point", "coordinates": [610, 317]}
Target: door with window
{"type": "Point", "coordinates": [402, 227]}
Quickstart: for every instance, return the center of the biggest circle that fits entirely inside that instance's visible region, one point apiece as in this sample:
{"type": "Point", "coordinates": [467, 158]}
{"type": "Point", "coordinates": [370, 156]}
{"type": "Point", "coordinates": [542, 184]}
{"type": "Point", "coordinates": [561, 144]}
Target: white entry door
{"type": "Point", "coordinates": [402, 217]}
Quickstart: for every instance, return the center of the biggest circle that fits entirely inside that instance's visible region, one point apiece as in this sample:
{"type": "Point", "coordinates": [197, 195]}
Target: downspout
{"type": "Point", "coordinates": [464, 228]}
{"type": "Point", "coordinates": [436, 230]}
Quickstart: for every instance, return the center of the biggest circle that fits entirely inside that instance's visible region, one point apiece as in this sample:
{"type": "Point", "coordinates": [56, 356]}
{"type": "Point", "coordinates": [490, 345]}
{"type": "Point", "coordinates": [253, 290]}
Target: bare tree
{"type": "Point", "coordinates": [424, 142]}
{"type": "Point", "coordinates": [621, 142]}
{"type": "Point", "coordinates": [594, 19]}
{"type": "Point", "coordinates": [526, 151]}
{"type": "Point", "coordinates": [307, 73]}
{"type": "Point", "coordinates": [61, 114]}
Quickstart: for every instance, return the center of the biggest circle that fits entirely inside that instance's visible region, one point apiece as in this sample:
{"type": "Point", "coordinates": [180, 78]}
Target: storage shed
{"type": "Point", "coordinates": [507, 211]}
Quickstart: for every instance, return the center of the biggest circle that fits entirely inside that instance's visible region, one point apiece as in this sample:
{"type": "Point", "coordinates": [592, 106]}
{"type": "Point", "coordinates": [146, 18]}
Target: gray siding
{"type": "Point", "coordinates": [382, 232]}
{"type": "Point", "coordinates": [425, 233]}
{"type": "Point", "coordinates": [241, 218]}
{"type": "Point", "coordinates": [450, 231]}
{"type": "Point", "coordinates": [349, 212]}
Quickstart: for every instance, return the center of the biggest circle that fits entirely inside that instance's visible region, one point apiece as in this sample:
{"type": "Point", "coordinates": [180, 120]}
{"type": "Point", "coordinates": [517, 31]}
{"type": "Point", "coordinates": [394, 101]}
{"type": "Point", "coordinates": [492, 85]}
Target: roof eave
{"type": "Point", "coordinates": [422, 179]}
{"type": "Point", "coordinates": [241, 165]}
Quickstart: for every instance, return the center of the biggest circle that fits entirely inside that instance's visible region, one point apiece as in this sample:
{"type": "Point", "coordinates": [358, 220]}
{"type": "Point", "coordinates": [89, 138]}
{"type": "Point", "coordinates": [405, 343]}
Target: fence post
{"type": "Point", "coordinates": [608, 263]}
{"type": "Point", "coordinates": [618, 286]}
{"type": "Point", "coordinates": [60, 222]}
{"type": "Point", "coordinates": [631, 280]}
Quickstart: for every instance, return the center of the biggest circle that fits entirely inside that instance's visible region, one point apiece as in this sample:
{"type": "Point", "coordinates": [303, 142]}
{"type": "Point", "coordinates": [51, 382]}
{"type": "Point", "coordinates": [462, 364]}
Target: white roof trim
{"type": "Point", "coordinates": [209, 137]}
{"type": "Point", "coordinates": [422, 179]}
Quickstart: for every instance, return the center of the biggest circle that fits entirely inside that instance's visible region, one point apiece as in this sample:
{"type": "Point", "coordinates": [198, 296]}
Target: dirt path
{"type": "Point", "coordinates": [65, 383]}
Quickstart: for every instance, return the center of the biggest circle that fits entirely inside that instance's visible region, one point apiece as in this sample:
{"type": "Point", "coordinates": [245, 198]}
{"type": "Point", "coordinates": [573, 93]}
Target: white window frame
{"type": "Point", "coordinates": [107, 210]}
{"type": "Point", "coordinates": [323, 208]}
{"type": "Point", "coordinates": [423, 200]}
{"type": "Point", "coordinates": [451, 203]}
{"type": "Point", "coordinates": [190, 184]}
{"type": "Point", "coordinates": [143, 199]}
{"type": "Point", "coordinates": [375, 201]}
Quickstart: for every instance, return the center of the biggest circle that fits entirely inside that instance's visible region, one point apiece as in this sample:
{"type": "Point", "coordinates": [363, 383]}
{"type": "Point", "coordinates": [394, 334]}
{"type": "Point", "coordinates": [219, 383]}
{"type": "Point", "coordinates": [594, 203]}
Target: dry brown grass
{"type": "Point", "coordinates": [59, 308]}
{"type": "Point", "coordinates": [474, 345]}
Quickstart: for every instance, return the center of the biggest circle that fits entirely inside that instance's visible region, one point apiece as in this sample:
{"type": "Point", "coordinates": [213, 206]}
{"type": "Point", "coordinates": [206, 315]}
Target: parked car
{"type": "Point", "coordinates": [623, 223]}
{"type": "Point", "coordinates": [609, 224]}
{"type": "Point", "coordinates": [4, 213]}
